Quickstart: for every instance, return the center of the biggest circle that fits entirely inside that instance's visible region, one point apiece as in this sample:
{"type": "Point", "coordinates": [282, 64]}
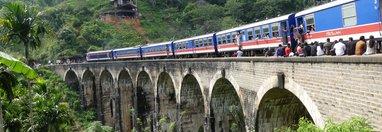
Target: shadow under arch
{"type": "Point", "coordinates": [89, 90]}
{"type": "Point", "coordinates": [225, 107]}
{"type": "Point", "coordinates": [292, 90]}
{"type": "Point", "coordinates": [191, 104]}
{"type": "Point", "coordinates": [72, 80]}
{"type": "Point", "coordinates": [106, 83]}
{"type": "Point", "coordinates": [126, 103]}
{"type": "Point", "coordinates": [167, 108]}
{"type": "Point", "coordinates": [145, 100]}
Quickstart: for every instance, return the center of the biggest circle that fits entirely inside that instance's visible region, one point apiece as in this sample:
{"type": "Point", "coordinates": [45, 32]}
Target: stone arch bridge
{"type": "Point", "coordinates": [228, 93]}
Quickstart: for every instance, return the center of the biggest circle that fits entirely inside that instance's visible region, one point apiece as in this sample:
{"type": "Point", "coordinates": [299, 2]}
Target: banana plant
{"type": "Point", "coordinates": [8, 80]}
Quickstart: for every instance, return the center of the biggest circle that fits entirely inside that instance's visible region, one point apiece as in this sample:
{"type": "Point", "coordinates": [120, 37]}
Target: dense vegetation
{"type": "Point", "coordinates": [355, 124]}
{"type": "Point", "coordinates": [74, 28]}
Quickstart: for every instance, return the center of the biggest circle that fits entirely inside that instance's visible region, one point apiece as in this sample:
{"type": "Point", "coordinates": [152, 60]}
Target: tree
{"type": "Point", "coordinates": [20, 24]}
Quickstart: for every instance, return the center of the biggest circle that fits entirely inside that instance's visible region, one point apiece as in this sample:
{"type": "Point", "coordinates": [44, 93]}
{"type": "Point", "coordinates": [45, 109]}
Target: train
{"type": "Point", "coordinates": [335, 20]}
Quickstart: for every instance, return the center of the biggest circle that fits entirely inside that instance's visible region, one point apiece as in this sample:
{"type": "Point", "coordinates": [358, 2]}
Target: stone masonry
{"type": "Point", "coordinates": [211, 94]}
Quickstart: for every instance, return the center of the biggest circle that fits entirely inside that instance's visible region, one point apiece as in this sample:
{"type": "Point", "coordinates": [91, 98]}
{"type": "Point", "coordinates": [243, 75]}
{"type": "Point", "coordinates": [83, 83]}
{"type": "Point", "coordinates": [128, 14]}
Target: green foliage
{"type": "Point", "coordinates": [21, 24]}
{"type": "Point", "coordinates": [355, 124]}
{"type": "Point", "coordinates": [97, 126]}
{"type": "Point", "coordinates": [172, 127]}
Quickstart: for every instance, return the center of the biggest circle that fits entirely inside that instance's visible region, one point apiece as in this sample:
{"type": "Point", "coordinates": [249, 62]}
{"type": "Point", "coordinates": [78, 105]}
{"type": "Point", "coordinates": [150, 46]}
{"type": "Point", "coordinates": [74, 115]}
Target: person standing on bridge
{"type": "Point", "coordinates": [328, 46]}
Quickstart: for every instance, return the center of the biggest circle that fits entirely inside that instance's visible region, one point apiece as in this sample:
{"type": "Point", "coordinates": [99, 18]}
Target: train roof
{"type": "Point", "coordinates": [99, 51]}
{"type": "Point", "coordinates": [129, 48]}
{"type": "Point", "coordinates": [322, 7]}
{"type": "Point", "coordinates": [277, 19]}
{"type": "Point", "coordinates": [196, 37]}
{"type": "Point", "coordinates": [156, 44]}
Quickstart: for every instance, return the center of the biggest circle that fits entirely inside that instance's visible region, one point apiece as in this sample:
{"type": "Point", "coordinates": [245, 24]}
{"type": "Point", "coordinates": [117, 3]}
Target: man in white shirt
{"type": "Point", "coordinates": [339, 48]}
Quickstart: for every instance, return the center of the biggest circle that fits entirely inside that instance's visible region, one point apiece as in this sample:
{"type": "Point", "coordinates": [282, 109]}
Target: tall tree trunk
{"type": "Point", "coordinates": [29, 62]}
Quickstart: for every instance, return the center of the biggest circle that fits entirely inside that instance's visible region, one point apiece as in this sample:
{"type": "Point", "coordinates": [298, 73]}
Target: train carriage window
{"type": "Point", "coordinates": [243, 36]}
{"type": "Point", "coordinates": [229, 38]}
{"type": "Point", "coordinates": [349, 15]}
{"type": "Point", "coordinates": [250, 33]}
{"type": "Point", "coordinates": [209, 41]}
{"type": "Point", "coordinates": [265, 32]}
{"type": "Point", "coordinates": [275, 30]}
{"type": "Point", "coordinates": [310, 26]}
{"type": "Point", "coordinates": [221, 39]}
{"type": "Point", "coordinates": [196, 43]}
{"type": "Point", "coordinates": [257, 33]}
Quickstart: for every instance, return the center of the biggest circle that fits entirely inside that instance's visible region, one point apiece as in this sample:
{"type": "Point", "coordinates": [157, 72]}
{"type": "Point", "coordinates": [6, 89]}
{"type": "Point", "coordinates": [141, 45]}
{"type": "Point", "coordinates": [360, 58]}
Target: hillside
{"type": "Point", "coordinates": [75, 28]}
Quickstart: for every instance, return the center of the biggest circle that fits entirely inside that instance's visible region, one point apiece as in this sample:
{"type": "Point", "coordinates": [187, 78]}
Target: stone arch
{"type": "Point", "coordinates": [126, 94]}
{"type": "Point", "coordinates": [167, 107]}
{"type": "Point", "coordinates": [72, 80]}
{"type": "Point", "coordinates": [225, 107]}
{"type": "Point", "coordinates": [270, 92]}
{"type": "Point", "coordinates": [191, 104]}
{"type": "Point", "coordinates": [145, 103]}
{"type": "Point", "coordinates": [89, 90]}
{"type": "Point", "coordinates": [107, 85]}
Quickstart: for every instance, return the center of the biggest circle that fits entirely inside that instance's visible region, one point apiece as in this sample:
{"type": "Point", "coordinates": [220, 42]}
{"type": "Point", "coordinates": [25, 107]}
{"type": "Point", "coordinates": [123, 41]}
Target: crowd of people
{"type": "Point", "coordinates": [336, 48]}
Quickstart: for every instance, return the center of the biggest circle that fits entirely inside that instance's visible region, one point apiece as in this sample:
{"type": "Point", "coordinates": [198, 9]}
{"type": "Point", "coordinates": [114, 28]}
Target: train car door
{"type": "Point", "coordinates": [292, 21]}
{"type": "Point", "coordinates": [284, 32]}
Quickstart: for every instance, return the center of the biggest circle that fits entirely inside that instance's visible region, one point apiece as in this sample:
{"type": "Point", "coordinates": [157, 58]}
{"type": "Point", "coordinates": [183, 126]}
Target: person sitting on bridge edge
{"type": "Point", "coordinates": [370, 49]}
{"type": "Point", "coordinates": [350, 46]}
{"type": "Point", "coordinates": [280, 51]}
{"type": "Point", "coordinates": [339, 48]}
{"type": "Point", "coordinates": [313, 49]}
{"type": "Point", "coordinates": [360, 47]}
{"type": "Point", "coordinates": [320, 51]}
{"type": "Point", "coordinates": [287, 50]}
{"type": "Point", "coordinates": [300, 52]}
{"type": "Point", "coordinates": [327, 46]}
{"type": "Point", "coordinates": [239, 53]}
{"type": "Point", "coordinates": [306, 49]}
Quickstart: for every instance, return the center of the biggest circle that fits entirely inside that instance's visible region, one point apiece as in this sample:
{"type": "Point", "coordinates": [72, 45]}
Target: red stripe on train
{"type": "Point", "coordinates": [344, 31]}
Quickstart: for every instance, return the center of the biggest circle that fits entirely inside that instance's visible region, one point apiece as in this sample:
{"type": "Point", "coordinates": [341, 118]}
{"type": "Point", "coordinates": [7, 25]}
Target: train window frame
{"type": "Point", "coordinates": [229, 40]}
{"type": "Point", "coordinates": [276, 30]}
{"type": "Point", "coordinates": [209, 39]}
{"type": "Point", "coordinates": [346, 16]}
{"type": "Point", "coordinates": [250, 34]}
{"type": "Point", "coordinates": [196, 43]}
{"type": "Point", "coordinates": [308, 25]}
{"type": "Point", "coordinates": [258, 34]}
{"type": "Point", "coordinates": [265, 35]}
{"type": "Point", "coordinates": [243, 35]}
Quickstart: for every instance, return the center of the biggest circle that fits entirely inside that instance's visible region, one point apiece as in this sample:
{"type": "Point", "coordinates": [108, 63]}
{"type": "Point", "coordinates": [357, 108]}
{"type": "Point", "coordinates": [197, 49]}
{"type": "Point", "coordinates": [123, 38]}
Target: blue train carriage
{"type": "Point", "coordinates": [105, 55]}
{"type": "Point", "coordinates": [158, 51]}
{"type": "Point", "coordinates": [126, 53]}
{"type": "Point", "coordinates": [199, 46]}
{"type": "Point", "coordinates": [256, 36]}
{"type": "Point", "coordinates": [341, 19]}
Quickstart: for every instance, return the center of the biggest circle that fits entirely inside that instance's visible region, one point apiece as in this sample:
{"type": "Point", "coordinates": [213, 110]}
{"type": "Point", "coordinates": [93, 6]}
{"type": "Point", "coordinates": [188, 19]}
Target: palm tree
{"type": "Point", "coordinates": [20, 24]}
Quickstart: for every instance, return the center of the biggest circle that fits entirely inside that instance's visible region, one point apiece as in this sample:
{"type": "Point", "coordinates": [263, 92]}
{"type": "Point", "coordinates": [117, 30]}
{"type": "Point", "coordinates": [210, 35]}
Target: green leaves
{"type": "Point", "coordinates": [17, 66]}
{"type": "Point", "coordinates": [21, 24]}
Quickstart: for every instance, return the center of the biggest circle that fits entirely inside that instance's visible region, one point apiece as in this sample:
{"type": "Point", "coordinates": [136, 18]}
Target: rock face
{"type": "Point", "coordinates": [229, 93]}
